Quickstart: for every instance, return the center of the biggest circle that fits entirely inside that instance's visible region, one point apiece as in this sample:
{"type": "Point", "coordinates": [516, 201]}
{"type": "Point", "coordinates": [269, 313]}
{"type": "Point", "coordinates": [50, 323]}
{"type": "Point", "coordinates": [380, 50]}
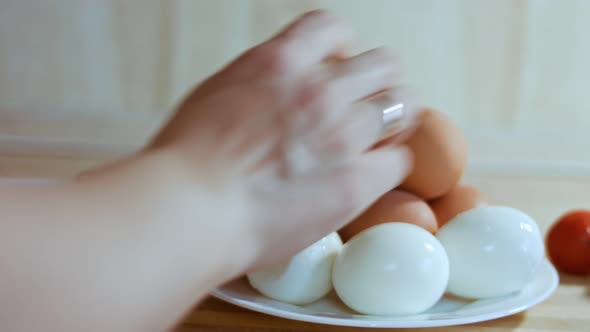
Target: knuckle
{"type": "Point", "coordinates": [308, 106]}
{"type": "Point", "coordinates": [320, 16]}
{"type": "Point", "coordinates": [320, 21]}
{"type": "Point", "coordinates": [317, 95]}
{"type": "Point", "coordinates": [315, 100]}
{"type": "Point", "coordinates": [273, 57]}
{"type": "Point", "coordinates": [325, 19]}
{"type": "Point", "coordinates": [340, 144]}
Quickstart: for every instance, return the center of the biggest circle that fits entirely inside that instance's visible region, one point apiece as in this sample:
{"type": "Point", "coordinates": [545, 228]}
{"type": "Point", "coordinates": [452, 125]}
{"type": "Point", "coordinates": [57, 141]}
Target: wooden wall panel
{"type": "Point", "coordinates": [555, 77]}
{"type": "Point", "coordinates": [207, 34]}
{"type": "Point", "coordinates": [453, 53]}
{"type": "Point", "coordinates": [513, 74]}
{"type": "Point", "coordinates": [83, 56]}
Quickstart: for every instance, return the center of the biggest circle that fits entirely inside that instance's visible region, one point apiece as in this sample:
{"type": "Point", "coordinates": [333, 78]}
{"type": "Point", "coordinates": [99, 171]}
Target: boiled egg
{"type": "Point", "coordinates": [493, 251]}
{"type": "Point", "coordinates": [302, 279]}
{"type": "Point", "coordinates": [396, 205]}
{"type": "Point", "coordinates": [391, 269]}
{"type": "Point", "coordinates": [459, 199]}
{"type": "Point", "coordinates": [440, 156]}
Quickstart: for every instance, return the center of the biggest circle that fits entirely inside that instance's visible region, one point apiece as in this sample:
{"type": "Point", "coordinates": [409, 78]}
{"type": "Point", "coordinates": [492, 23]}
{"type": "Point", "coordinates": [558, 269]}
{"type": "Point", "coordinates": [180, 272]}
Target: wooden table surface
{"type": "Point", "coordinates": [568, 309]}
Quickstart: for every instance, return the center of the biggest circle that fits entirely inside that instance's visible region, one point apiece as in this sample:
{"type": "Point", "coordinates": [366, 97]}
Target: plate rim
{"type": "Point", "coordinates": [351, 322]}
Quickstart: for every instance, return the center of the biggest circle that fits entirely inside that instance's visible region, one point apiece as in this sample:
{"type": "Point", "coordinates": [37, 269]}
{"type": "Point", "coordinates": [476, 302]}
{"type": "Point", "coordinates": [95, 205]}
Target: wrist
{"type": "Point", "coordinates": [197, 218]}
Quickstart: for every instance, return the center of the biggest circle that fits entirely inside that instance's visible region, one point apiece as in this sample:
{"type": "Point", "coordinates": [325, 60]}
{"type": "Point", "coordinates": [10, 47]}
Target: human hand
{"type": "Point", "coordinates": [288, 126]}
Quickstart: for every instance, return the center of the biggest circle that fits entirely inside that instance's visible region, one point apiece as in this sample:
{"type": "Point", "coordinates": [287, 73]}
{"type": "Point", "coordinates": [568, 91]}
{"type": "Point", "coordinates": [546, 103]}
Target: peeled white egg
{"type": "Point", "coordinates": [304, 278]}
{"type": "Point", "coordinates": [391, 269]}
{"type": "Point", "coordinates": [493, 251]}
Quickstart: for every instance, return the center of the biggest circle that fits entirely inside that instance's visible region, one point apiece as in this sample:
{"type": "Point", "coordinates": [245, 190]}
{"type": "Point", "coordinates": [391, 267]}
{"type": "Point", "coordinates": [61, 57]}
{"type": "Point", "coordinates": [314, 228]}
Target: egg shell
{"type": "Point", "coordinates": [302, 279]}
{"type": "Point", "coordinates": [459, 199]}
{"type": "Point", "coordinates": [493, 251]}
{"type": "Point", "coordinates": [391, 269]}
{"type": "Point", "coordinates": [440, 156]}
{"type": "Point", "coordinates": [394, 206]}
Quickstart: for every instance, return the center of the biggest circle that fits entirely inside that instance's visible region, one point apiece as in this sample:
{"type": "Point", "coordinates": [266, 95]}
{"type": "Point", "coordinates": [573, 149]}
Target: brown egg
{"type": "Point", "coordinates": [440, 156]}
{"type": "Point", "coordinates": [459, 199]}
{"type": "Point", "coordinates": [395, 205]}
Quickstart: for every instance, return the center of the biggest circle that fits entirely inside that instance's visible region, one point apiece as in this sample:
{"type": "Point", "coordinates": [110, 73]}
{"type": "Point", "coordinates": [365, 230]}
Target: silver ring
{"type": "Point", "coordinates": [397, 113]}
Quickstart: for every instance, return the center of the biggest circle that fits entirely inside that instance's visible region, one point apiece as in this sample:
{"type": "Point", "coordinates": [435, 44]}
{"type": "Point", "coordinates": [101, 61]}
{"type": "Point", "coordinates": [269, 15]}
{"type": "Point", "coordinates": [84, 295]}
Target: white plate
{"type": "Point", "coordinates": [448, 311]}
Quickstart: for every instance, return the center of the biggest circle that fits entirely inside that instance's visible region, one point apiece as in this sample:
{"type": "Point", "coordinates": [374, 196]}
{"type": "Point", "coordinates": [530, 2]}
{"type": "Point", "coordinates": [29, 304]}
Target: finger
{"type": "Point", "coordinates": [310, 39]}
{"type": "Point", "coordinates": [363, 75]}
{"type": "Point", "coordinates": [315, 37]}
{"type": "Point", "coordinates": [328, 92]}
{"type": "Point", "coordinates": [345, 191]}
{"type": "Point", "coordinates": [353, 134]}
{"type": "Point", "coordinates": [337, 194]}
{"type": "Point", "coordinates": [401, 116]}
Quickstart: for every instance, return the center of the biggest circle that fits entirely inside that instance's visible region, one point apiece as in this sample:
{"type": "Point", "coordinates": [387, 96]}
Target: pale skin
{"type": "Point", "coordinates": [225, 187]}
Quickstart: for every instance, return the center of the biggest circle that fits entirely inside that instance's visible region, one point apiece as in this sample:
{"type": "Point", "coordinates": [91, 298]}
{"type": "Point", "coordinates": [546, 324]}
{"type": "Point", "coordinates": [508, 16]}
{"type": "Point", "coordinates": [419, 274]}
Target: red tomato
{"type": "Point", "coordinates": [568, 243]}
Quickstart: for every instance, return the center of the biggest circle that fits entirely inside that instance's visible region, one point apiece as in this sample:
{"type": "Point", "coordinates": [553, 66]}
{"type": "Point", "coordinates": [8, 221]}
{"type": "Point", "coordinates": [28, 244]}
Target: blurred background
{"type": "Point", "coordinates": [97, 76]}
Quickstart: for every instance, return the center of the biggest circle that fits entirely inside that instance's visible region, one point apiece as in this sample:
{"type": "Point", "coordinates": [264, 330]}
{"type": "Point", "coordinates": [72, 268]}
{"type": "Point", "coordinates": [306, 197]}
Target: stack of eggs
{"type": "Point", "coordinates": [428, 237]}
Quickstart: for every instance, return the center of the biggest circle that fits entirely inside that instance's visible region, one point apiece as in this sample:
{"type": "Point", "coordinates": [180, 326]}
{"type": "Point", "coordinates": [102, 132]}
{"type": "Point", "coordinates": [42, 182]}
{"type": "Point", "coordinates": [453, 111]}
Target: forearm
{"type": "Point", "coordinates": [119, 250]}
